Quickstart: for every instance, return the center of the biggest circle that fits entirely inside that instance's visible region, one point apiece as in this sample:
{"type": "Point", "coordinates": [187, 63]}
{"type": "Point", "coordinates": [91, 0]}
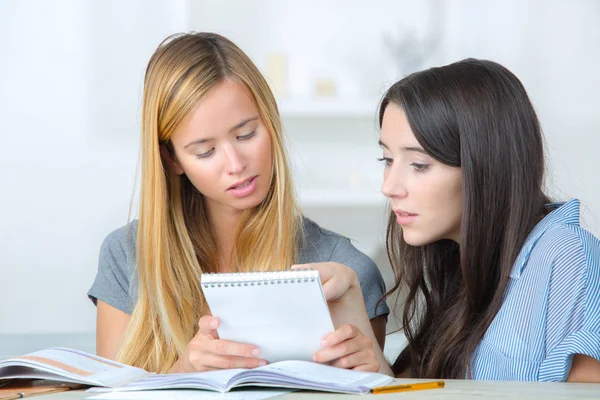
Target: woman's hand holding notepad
{"type": "Point", "coordinates": [347, 306]}
{"type": "Point", "coordinates": [206, 351]}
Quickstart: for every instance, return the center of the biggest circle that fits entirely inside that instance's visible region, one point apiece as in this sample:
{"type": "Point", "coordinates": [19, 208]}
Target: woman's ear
{"type": "Point", "coordinates": [170, 160]}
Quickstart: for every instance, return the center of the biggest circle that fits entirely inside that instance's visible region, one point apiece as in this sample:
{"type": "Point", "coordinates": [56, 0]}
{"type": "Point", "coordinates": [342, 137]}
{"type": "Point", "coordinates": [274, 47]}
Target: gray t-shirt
{"type": "Point", "coordinates": [116, 280]}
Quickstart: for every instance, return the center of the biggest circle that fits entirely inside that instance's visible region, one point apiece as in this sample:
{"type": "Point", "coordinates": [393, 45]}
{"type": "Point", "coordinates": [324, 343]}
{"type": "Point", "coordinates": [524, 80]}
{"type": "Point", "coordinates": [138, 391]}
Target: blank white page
{"type": "Point", "coordinates": [284, 313]}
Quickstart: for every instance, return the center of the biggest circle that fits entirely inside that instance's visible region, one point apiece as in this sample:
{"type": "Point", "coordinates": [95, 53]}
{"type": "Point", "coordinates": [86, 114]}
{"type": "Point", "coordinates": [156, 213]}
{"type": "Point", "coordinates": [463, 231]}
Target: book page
{"type": "Point", "coordinates": [302, 374]}
{"type": "Point", "coordinates": [211, 380]}
{"type": "Point", "coordinates": [285, 374]}
{"type": "Point", "coordinates": [70, 366]}
{"type": "Point", "coordinates": [247, 394]}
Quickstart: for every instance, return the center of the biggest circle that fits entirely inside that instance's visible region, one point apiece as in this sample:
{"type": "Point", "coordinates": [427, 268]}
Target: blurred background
{"type": "Point", "coordinates": [70, 93]}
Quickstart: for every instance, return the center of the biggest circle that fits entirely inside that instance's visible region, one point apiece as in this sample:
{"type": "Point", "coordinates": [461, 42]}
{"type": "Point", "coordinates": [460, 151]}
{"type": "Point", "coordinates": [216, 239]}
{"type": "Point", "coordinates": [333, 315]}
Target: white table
{"type": "Point", "coordinates": [455, 389]}
{"type": "Point", "coordinates": [12, 345]}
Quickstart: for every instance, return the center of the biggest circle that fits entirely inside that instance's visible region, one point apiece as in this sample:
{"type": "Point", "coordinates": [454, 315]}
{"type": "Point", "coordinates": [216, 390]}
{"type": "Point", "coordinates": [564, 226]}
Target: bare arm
{"type": "Point", "coordinates": [584, 369]}
{"type": "Point", "coordinates": [351, 310]}
{"type": "Point", "coordinates": [110, 329]}
{"type": "Point", "coordinates": [378, 325]}
{"type": "Point", "coordinates": [347, 306]}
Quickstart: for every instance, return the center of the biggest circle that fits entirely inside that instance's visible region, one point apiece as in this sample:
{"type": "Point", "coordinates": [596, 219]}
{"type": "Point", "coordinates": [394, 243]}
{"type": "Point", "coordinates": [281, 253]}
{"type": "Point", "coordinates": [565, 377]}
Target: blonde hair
{"type": "Point", "coordinates": [174, 242]}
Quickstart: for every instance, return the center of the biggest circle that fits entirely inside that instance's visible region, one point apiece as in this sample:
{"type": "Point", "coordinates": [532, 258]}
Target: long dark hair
{"type": "Point", "coordinates": [476, 115]}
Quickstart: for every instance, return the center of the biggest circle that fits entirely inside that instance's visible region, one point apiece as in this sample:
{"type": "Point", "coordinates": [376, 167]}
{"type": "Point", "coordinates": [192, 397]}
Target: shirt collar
{"type": "Point", "coordinates": [566, 213]}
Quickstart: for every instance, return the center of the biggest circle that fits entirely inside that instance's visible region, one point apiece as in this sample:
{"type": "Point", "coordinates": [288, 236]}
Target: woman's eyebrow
{"type": "Point", "coordinates": [408, 148]}
{"type": "Point", "coordinates": [417, 149]}
{"type": "Point", "coordinates": [244, 122]}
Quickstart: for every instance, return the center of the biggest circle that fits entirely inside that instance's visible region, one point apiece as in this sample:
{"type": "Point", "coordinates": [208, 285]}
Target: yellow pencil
{"type": "Point", "coordinates": [408, 387]}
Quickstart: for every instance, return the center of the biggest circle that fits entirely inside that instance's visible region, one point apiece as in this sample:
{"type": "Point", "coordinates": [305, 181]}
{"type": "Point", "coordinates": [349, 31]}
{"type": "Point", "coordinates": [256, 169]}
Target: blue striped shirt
{"type": "Point", "coordinates": [551, 307]}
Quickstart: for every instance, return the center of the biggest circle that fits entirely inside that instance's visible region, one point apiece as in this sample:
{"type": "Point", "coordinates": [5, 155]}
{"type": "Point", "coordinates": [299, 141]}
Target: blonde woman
{"type": "Point", "coordinates": [216, 196]}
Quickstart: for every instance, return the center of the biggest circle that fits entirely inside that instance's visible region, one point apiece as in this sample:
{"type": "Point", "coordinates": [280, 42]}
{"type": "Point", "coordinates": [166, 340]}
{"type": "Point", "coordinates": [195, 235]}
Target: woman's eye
{"type": "Point", "coordinates": [206, 154]}
{"type": "Point", "coordinates": [419, 167]}
{"type": "Point", "coordinates": [386, 160]}
{"type": "Point", "coordinates": [247, 136]}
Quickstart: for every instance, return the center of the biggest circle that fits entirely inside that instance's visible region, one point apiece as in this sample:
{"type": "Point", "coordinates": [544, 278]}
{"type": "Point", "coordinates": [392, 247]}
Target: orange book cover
{"type": "Point", "coordinates": [21, 388]}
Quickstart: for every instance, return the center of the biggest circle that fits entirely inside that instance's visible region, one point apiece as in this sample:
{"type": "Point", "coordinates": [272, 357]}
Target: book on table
{"type": "Point", "coordinates": [67, 365]}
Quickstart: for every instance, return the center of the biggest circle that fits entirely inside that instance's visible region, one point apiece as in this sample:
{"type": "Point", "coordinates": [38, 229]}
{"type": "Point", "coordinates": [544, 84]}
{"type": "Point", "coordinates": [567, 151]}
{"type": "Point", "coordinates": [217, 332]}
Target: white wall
{"type": "Point", "coordinates": [70, 82]}
{"type": "Point", "coordinates": [552, 45]}
{"type": "Point", "coordinates": [71, 74]}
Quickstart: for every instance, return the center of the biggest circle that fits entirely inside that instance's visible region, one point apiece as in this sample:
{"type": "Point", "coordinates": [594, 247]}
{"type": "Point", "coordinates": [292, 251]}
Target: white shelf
{"type": "Point", "coordinates": [340, 198]}
{"type": "Point", "coordinates": [319, 107]}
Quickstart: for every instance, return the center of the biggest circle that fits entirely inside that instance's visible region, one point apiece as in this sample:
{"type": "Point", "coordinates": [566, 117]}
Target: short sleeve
{"type": "Point", "coordinates": [371, 281]}
{"type": "Point", "coordinates": [113, 282]}
{"type": "Point", "coordinates": [573, 314]}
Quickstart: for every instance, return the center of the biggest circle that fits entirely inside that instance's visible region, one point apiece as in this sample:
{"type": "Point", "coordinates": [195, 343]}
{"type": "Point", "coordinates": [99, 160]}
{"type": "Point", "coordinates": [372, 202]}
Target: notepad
{"type": "Point", "coordinates": [284, 313]}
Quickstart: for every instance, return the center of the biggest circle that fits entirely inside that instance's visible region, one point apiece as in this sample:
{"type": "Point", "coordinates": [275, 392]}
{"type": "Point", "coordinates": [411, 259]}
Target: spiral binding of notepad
{"type": "Point", "coordinates": [258, 278]}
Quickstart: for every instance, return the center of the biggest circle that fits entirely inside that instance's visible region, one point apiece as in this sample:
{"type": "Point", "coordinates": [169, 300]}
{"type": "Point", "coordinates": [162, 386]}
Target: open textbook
{"type": "Point", "coordinates": [68, 365]}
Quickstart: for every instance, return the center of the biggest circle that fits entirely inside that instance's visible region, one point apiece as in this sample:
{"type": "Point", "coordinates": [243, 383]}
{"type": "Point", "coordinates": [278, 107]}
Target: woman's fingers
{"type": "Point", "coordinates": [347, 347]}
{"type": "Point", "coordinates": [211, 361]}
{"type": "Point", "coordinates": [374, 367]}
{"type": "Point", "coordinates": [343, 349]}
{"type": "Point", "coordinates": [336, 278]}
{"type": "Point", "coordinates": [208, 325]}
{"type": "Point", "coordinates": [360, 361]}
{"type": "Point", "coordinates": [344, 332]}
{"type": "Point", "coordinates": [228, 348]}
{"type": "Point", "coordinates": [207, 352]}
{"type": "Point", "coordinates": [345, 341]}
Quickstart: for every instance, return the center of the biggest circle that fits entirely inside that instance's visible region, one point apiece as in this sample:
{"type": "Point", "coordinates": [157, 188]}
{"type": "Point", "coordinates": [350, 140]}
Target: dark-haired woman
{"type": "Point", "coordinates": [501, 283]}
